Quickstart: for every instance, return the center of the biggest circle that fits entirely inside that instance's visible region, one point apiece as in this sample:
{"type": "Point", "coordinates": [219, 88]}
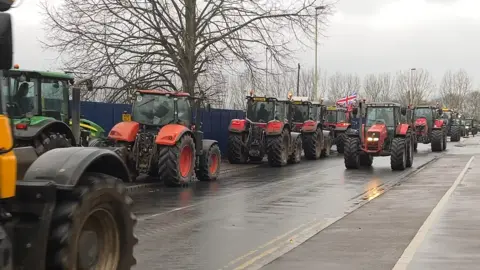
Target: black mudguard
{"type": "Point", "coordinates": [206, 144]}
{"type": "Point", "coordinates": [48, 124]}
{"type": "Point", "coordinates": [65, 166]}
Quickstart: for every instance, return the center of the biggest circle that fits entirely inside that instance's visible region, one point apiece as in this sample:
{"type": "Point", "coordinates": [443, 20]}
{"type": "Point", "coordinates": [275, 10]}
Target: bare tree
{"type": "Point", "coordinates": [378, 87]}
{"type": "Point", "coordinates": [341, 85]}
{"type": "Point", "coordinates": [413, 87]}
{"type": "Point", "coordinates": [127, 44]}
{"type": "Point", "coordinates": [455, 88]}
{"type": "Point", "coordinates": [471, 104]}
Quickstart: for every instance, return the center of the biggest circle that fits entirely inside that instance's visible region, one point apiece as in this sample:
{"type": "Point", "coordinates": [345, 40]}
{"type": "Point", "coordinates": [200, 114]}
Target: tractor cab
{"type": "Point", "coordinates": [425, 116]}
{"type": "Point", "coordinates": [301, 109]}
{"type": "Point", "coordinates": [335, 117]}
{"type": "Point", "coordinates": [153, 109]}
{"type": "Point", "coordinates": [261, 110]}
{"type": "Point", "coordinates": [40, 99]}
{"type": "Point", "coordinates": [381, 124]}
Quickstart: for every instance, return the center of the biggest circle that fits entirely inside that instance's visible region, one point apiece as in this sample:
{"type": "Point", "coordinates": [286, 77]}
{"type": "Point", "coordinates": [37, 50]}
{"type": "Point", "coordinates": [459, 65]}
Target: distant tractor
{"type": "Point", "coordinates": [308, 120]}
{"type": "Point", "coordinates": [466, 128]}
{"type": "Point", "coordinates": [162, 140]}
{"type": "Point", "coordinates": [283, 144]}
{"type": "Point", "coordinates": [457, 129]}
{"type": "Point", "coordinates": [387, 132]}
{"type": "Point", "coordinates": [246, 138]}
{"type": "Point", "coordinates": [41, 111]}
{"type": "Point", "coordinates": [338, 119]}
{"type": "Point", "coordinates": [473, 126]}
{"type": "Point", "coordinates": [429, 128]}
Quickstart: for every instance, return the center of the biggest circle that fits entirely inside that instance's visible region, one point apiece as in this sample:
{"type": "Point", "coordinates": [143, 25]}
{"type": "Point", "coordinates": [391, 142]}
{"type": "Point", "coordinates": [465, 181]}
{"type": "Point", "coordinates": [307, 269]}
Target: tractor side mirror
{"type": "Point", "coordinates": [208, 107]}
{"type": "Point", "coordinates": [6, 47]}
{"type": "Point", "coordinates": [403, 110]}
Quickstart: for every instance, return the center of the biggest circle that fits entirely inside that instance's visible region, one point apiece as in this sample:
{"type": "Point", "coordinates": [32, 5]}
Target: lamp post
{"type": "Point", "coordinates": [315, 77]}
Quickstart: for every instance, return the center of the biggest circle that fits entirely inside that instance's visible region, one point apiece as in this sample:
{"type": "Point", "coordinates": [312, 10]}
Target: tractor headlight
{"type": "Point", "coordinates": [371, 139]}
{"type": "Point", "coordinates": [467, 127]}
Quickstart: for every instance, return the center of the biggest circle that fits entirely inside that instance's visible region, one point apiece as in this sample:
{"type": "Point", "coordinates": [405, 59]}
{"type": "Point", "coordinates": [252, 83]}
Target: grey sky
{"type": "Point", "coordinates": [364, 36]}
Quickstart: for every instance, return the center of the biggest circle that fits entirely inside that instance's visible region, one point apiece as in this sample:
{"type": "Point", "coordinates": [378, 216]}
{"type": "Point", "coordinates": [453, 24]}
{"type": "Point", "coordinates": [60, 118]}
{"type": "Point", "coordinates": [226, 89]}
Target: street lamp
{"type": "Point", "coordinates": [316, 52]}
{"type": "Point", "coordinates": [410, 93]}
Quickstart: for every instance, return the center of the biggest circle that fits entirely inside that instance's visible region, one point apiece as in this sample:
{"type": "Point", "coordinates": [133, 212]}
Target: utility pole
{"type": "Point", "coordinates": [298, 80]}
{"type": "Point", "coordinates": [410, 92]}
{"type": "Point", "coordinates": [315, 77]}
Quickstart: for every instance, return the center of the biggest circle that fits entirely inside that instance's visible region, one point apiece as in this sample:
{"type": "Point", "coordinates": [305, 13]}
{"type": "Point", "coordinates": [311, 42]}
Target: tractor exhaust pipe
{"type": "Point", "coordinates": [76, 88]}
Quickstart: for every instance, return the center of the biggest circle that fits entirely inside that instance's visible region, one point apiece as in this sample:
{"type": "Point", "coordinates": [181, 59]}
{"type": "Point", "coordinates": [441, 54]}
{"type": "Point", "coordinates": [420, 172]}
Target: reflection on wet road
{"type": "Point", "coordinates": [235, 222]}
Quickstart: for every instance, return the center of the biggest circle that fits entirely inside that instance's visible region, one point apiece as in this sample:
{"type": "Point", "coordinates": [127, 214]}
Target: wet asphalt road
{"type": "Point", "coordinates": [235, 223]}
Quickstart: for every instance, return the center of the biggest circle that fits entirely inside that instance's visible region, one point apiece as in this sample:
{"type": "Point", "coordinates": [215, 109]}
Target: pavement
{"type": "Point", "coordinates": [247, 220]}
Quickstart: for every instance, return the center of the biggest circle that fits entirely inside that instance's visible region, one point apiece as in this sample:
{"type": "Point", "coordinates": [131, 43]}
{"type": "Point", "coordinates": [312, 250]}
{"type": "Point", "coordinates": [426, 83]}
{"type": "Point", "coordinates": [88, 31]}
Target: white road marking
{"type": "Point", "coordinates": [416, 242]}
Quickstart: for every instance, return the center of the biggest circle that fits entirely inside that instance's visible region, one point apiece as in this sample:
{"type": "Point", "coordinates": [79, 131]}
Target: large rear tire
{"type": "Point", "coordinates": [398, 154]}
{"type": "Point", "coordinates": [351, 155]}
{"type": "Point", "coordinates": [277, 149]}
{"type": "Point", "coordinates": [313, 144]}
{"type": "Point", "coordinates": [46, 142]}
{"type": "Point", "coordinates": [235, 149]}
{"type": "Point", "coordinates": [176, 163]}
{"type": "Point", "coordinates": [96, 216]}
{"type": "Point", "coordinates": [209, 164]}
{"type": "Point", "coordinates": [437, 140]}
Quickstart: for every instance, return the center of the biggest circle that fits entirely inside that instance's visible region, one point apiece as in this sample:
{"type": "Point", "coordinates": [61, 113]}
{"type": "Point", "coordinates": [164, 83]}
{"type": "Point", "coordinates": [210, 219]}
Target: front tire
{"type": "Point", "coordinates": [341, 142]}
{"type": "Point", "coordinates": [176, 163]}
{"type": "Point", "coordinates": [296, 156]}
{"type": "Point", "coordinates": [209, 164]}
{"type": "Point", "coordinates": [351, 155]}
{"type": "Point", "coordinates": [398, 155]}
{"type": "Point", "coordinates": [437, 140]}
{"type": "Point", "coordinates": [97, 213]}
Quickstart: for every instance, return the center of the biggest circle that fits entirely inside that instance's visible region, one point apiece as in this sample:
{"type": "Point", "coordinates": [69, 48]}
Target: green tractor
{"type": "Point", "coordinates": [41, 110]}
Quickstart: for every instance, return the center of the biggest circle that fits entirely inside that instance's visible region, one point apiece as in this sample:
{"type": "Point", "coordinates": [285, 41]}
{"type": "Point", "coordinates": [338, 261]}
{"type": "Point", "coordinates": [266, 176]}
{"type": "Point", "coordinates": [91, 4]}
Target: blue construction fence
{"type": "Point", "coordinates": [215, 122]}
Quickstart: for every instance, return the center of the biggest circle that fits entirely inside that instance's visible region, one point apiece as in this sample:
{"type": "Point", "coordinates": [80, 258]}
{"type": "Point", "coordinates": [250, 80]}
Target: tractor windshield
{"type": "Point", "coordinates": [260, 111]}
{"type": "Point", "coordinates": [341, 116]}
{"type": "Point", "coordinates": [55, 96]}
{"type": "Point", "coordinates": [300, 113]}
{"type": "Point", "coordinates": [380, 115]}
{"type": "Point", "coordinates": [331, 117]}
{"type": "Point", "coordinates": [157, 110]}
{"type": "Point", "coordinates": [423, 112]}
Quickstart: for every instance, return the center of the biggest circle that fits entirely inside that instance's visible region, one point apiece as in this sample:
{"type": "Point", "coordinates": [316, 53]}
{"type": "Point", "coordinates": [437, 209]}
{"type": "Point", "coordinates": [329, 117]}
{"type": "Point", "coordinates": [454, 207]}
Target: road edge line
{"type": "Point", "coordinates": [409, 252]}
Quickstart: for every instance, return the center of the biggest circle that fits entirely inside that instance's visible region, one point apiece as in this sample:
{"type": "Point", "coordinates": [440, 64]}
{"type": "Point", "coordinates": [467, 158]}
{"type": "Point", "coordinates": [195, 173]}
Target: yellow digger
{"type": "Point", "coordinates": [68, 208]}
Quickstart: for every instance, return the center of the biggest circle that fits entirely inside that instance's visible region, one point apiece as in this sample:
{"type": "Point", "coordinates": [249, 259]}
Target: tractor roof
{"type": "Point", "coordinates": [332, 108]}
{"type": "Point", "coordinates": [301, 102]}
{"type": "Point", "coordinates": [383, 104]}
{"type": "Point", "coordinates": [163, 92]}
{"type": "Point", "coordinates": [317, 103]}
{"type": "Point", "coordinates": [425, 106]}
{"type": "Point", "coordinates": [297, 98]}
{"type": "Point", "coordinates": [46, 74]}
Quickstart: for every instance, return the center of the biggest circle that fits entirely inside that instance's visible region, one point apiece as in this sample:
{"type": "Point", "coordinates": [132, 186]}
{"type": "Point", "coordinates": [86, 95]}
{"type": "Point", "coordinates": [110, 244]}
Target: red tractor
{"type": "Point", "coordinates": [308, 120]}
{"type": "Point", "coordinates": [338, 119]}
{"type": "Point", "coordinates": [246, 138]}
{"type": "Point", "coordinates": [429, 128]}
{"type": "Point", "coordinates": [162, 140]}
{"type": "Point", "coordinates": [387, 132]}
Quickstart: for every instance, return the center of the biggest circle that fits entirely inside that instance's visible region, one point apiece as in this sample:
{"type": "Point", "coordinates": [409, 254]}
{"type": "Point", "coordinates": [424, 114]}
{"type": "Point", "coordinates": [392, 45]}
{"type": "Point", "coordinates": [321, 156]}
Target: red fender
{"type": "Point", "coordinates": [274, 127]}
{"type": "Point", "coordinates": [124, 131]}
{"type": "Point", "coordinates": [237, 125]}
{"type": "Point", "coordinates": [170, 134]}
{"type": "Point", "coordinates": [402, 129]}
{"type": "Point", "coordinates": [438, 123]}
{"type": "Point", "coordinates": [309, 126]}
{"type": "Point", "coordinates": [421, 121]}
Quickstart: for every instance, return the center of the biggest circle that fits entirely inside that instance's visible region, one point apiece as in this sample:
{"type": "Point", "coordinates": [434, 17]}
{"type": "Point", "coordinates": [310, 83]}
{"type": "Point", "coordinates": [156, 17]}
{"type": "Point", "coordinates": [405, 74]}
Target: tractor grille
{"type": "Point", "coordinates": [144, 149]}
{"type": "Point", "coordinates": [372, 146]}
